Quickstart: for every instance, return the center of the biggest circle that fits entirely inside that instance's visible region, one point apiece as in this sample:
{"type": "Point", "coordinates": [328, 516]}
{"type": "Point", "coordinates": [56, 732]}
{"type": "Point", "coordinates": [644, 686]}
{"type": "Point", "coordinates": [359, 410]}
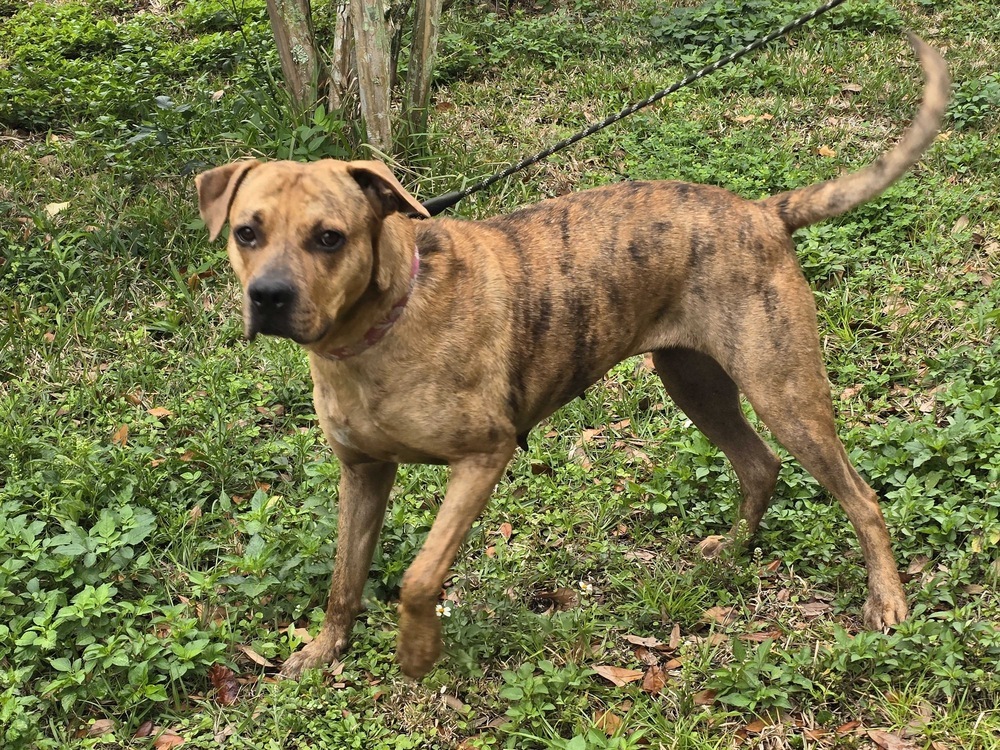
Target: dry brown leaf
{"type": "Point", "coordinates": [159, 412]}
{"type": "Point", "coordinates": [647, 657]}
{"type": "Point", "coordinates": [121, 436]}
{"type": "Point", "coordinates": [301, 633]}
{"type": "Point", "coordinates": [607, 722]}
{"type": "Point", "coordinates": [254, 656]}
{"type": "Point", "coordinates": [491, 551]}
{"type": "Point", "coordinates": [675, 637]}
{"type": "Point", "coordinates": [720, 615]}
{"type": "Point", "coordinates": [167, 740]}
{"type": "Point", "coordinates": [848, 727]}
{"type": "Point", "coordinates": [224, 681]}
{"type": "Point", "coordinates": [761, 636]}
{"type": "Point", "coordinates": [852, 88]}
{"type": "Point", "coordinates": [454, 703]}
{"type": "Point", "coordinates": [756, 726]}
{"type": "Point", "coordinates": [673, 664]}
{"type": "Point", "coordinates": [650, 642]}
{"type": "Point", "coordinates": [618, 675]}
{"type": "Point", "coordinates": [850, 392]}
{"type": "Point", "coordinates": [704, 698]}
{"type": "Point", "coordinates": [97, 728]}
{"type": "Point", "coordinates": [505, 530]}
{"type": "Point", "coordinates": [890, 741]}
{"type": "Point", "coordinates": [54, 209]}
{"type": "Point", "coordinates": [917, 565]}
{"type": "Point", "coordinates": [654, 680]}
{"type": "Point", "coordinates": [578, 455]}
{"type": "Point", "coordinates": [195, 513]}
{"type": "Point", "coordinates": [216, 95]}
{"type": "Point", "coordinates": [145, 729]}
{"type": "Point", "coordinates": [960, 225]}
{"type": "Point", "coordinates": [335, 669]}
{"type": "Point", "coordinates": [814, 734]}
{"type": "Point", "coordinates": [826, 151]}
{"type": "Point", "coordinates": [814, 609]}
{"type": "Point", "coordinates": [560, 600]}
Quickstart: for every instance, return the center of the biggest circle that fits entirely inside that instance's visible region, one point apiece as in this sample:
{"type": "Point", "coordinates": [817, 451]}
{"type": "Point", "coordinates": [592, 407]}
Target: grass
{"type": "Point", "coordinates": [166, 499]}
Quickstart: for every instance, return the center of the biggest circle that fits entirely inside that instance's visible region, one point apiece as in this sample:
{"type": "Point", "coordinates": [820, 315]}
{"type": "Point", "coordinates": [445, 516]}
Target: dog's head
{"type": "Point", "coordinates": [305, 238]}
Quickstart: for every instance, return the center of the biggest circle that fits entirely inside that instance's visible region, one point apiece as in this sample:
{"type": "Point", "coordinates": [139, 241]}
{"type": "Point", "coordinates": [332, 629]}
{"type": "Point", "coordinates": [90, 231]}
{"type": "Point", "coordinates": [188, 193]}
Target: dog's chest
{"type": "Point", "coordinates": [388, 426]}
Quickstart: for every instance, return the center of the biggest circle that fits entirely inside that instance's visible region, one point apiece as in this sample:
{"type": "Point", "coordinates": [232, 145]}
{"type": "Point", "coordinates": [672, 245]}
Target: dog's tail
{"type": "Point", "coordinates": [808, 205]}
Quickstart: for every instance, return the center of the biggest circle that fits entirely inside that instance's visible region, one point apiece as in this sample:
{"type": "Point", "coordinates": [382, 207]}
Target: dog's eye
{"type": "Point", "coordinates": [330, 240]}
{"type": "Point", "coordinates": [245, 235]}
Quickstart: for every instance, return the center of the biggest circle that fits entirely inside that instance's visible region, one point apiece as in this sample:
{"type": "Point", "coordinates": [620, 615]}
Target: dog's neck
{"type": "Point", "coordinates": [395, 266]}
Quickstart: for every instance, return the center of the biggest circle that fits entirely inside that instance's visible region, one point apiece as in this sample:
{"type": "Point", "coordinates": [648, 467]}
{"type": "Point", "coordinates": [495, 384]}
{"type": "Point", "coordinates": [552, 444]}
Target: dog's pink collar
{"type": "Point", "coordinates": [374, 334]}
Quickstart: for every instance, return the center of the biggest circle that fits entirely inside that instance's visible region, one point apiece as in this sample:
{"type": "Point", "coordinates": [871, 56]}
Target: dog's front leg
{"type": "Point", "coordinates": [364, 493]}
{"type": "Point", "coordinates": [472, 480]}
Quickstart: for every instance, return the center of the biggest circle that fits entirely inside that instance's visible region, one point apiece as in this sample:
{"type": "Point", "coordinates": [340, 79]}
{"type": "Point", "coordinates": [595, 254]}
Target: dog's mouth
{"type": "Point", "coordinates": [281, 327]}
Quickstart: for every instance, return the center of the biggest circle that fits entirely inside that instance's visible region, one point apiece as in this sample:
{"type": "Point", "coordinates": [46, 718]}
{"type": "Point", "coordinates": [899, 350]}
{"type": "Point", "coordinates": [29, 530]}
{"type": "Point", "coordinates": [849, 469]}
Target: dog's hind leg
{"type": "Point", "coordinates": [364, 494]}
{"type": "Point", "coordinates": [780, 370]}
{"type": "Point", "coordinates": [709, 397]}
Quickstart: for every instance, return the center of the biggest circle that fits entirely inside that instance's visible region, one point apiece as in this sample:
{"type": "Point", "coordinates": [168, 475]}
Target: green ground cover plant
{"type": "Point", "coordinates": [167, 514]}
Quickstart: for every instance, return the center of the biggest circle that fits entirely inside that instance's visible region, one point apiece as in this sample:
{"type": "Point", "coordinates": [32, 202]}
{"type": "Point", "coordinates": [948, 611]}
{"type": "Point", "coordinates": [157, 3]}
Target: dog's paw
{"type": "Point", "coordinates": [883, 612]}
{"type": "Point", "coordinates": [713, 546]}
{"type": "Point", "coordinates": [316, 655]}
{"type": "Point", "coordinates": [418, 645]}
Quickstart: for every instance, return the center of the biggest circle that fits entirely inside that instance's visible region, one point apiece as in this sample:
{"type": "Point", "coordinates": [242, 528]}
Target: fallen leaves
{"type": "Point", "coordinates": [167, 739]}
{"type": "Point", "coordinates": [120, 437]}
{"type": "Point", "coordinates": [618, 675]}
{"type": "Point", "coordinates": [720, 615]}
{"type": "Point", "coordinates": [607, 722]}
{"type": "Point", "coordinates": [890, 741]}
{"type": "Point", "coordinates": [224, 681]}
{"type": "Point", "coordinates": [97, 728]}
{"type": "Point", "coordinates": [654, 680]}
{"type": "Point", "coordinates": [648, 642]}
{"type": "Point", "coordinates": [814, 609]}
{"type": "Point", "coordinates": [556, 600]}
{"type": "Point", "coordinates": [826, 152]}
{"type": "Point", "coordinates": [54, 209]}
{"type": "Point", "coordinates": [254, 656]}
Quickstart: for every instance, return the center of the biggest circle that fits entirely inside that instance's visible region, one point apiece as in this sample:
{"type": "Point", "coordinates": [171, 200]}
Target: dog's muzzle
{"type": "Point", "coordinates": [272, 303]}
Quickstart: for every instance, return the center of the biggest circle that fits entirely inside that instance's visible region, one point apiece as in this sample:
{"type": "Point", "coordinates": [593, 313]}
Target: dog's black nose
{"type": "Point", "coordinates": [271, 296]}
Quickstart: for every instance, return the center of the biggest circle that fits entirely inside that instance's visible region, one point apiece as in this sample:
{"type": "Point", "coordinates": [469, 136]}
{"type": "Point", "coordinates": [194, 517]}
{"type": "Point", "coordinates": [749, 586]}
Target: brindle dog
{"type": "Point", "coordinates": [446, 341]}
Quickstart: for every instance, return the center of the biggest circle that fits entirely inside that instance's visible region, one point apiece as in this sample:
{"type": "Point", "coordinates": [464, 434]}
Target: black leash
{"type": "Point", "coordinates": [436, 205]}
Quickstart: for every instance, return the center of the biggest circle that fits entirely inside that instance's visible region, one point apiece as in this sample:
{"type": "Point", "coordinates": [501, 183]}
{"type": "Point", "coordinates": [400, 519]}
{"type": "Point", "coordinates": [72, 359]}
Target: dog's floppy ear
{"type": "Point", "coordinates": [383, 189]}
{"type": "Point", "coordinates": [216, 190]}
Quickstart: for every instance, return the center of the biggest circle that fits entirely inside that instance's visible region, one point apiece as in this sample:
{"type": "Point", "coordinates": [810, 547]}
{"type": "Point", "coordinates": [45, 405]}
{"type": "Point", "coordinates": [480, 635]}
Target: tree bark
{"type": "Point", "coordinates": [426, 20]}
{"type": "Point", "coordinates": [291, 23]}
{"type": "Point", "coordinates": [343, 62]}
{"type": "Point", "coordinates": [371, 43]}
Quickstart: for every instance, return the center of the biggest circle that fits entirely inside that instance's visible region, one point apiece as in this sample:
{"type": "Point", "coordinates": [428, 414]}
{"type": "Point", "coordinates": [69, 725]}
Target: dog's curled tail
{"type": "Point", "coordinates": [804, 206]}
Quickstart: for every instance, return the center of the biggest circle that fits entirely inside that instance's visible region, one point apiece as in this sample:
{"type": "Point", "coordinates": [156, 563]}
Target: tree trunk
{"type": "Point", "coordinates": [371, 43]}
{"type": "Point", "coordinates": [426, 20]}
{"type": "Point", "coordinates": [343, 63]}
{"type": "Point", "coordinates": [291, 22]}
